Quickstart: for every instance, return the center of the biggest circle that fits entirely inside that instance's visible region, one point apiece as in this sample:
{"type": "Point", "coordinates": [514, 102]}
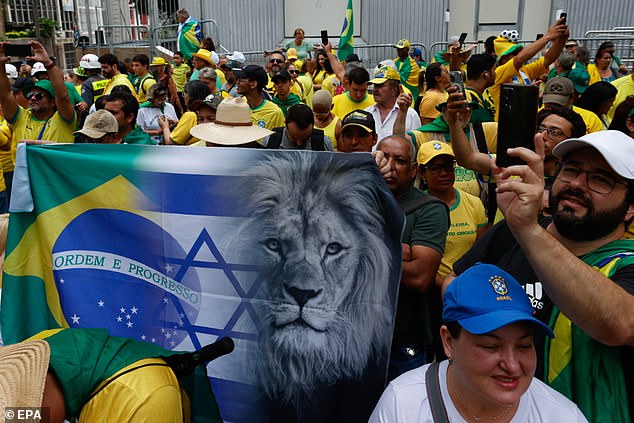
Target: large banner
{"type": "Point", "coordinates": [295, 255]}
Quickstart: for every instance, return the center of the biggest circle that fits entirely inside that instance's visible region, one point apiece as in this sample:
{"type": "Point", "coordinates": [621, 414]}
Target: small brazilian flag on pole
{"type": "Point", "coordinates": [346, 41]}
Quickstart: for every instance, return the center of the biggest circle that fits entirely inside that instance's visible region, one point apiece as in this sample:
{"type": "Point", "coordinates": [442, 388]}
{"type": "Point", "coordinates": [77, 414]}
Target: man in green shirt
{"type": "Point", "coordinates": [284, 98]}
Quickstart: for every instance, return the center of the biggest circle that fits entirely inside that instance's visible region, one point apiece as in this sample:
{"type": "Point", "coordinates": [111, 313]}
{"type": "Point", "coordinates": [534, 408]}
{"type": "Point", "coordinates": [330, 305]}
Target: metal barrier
{"type": "Point", "coordinates": [370, 54]}
{"type": "Point", "coordinates": [137, 36]}
{"type": "Point", "coordinates": [622, 39]}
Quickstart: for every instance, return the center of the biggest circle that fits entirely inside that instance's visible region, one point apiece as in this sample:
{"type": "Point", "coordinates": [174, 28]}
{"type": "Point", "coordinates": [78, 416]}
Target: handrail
{"type": "Point", "coordinates": [142, 28]}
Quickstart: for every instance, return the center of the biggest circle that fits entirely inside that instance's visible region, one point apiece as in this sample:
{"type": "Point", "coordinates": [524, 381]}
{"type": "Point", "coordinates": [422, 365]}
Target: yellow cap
{"type": "Point", "coordinates": [383, 74]}
{"type": "Point", "coordinates": [431, 149]}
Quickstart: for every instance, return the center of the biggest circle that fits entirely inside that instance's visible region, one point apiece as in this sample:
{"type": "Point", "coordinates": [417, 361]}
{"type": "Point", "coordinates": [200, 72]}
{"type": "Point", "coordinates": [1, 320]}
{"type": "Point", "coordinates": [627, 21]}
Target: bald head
{"type": "Point", "coordinates": [322, 98]}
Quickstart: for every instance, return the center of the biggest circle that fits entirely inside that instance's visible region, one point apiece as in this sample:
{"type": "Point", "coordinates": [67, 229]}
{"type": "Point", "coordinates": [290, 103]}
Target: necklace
{"type": "Point", "coordinates": [466, 406]}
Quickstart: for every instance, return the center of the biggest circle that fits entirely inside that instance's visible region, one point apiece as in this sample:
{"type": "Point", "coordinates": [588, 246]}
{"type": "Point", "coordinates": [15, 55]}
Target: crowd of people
{"type": "Point", "coordinates": [553, 310]}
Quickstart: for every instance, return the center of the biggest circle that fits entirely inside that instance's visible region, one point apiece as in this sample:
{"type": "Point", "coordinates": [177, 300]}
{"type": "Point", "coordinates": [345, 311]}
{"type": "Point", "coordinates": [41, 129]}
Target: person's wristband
{"type": "Point", "coordinates": [49, 66]}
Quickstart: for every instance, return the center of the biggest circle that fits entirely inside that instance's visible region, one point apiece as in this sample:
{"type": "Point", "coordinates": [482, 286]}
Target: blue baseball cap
{"type": "Point", "coordinates": [486, 298]}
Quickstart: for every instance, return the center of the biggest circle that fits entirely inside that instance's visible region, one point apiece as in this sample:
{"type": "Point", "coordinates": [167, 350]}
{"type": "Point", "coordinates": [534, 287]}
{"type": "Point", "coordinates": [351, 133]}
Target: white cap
{"type": "Point", "coordinates": [90, 61]}
{"type": "Point", "coordinates": [238, 57]}
{"type": "Point", "coordinates": [616, 148]}
{"type": "Point", "coordinates": [215, 57]}
{"type": "Point", "coordinates": [37, 67]}
{"type": "Point", "coordinates": [12, 71]}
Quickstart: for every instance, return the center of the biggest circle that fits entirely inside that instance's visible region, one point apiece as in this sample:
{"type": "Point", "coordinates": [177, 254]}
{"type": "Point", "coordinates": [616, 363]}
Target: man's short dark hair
{"type": "Point", "coordinates": [180, 53]}
{"type": "Point", "coordinates": [109, 59]}
{"type": "Point", "coordinates": [142, 59]}
{"type": "Point", "coordinates": [130, 103]}
{"type": "Point", "coordinates": [575, 119]}
{"type": "Point", "coordinates": [359, 75]}
{"type": "Point", "coordinates": [479, 63]}
{"type": "Point", "coordinates": [281, 53]}
{"type": "Point", "coordinates": [301, 114]}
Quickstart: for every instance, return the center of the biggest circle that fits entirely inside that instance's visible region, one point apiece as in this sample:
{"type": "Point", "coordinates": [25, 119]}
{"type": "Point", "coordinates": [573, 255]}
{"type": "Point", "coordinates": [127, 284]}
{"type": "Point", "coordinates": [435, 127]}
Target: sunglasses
{"type": "Point", "coordinates": [37, 96]}
{"type": "Point", "coordinates": [293, 72]}
{"type": "Point", "coordinates": [276, 61]}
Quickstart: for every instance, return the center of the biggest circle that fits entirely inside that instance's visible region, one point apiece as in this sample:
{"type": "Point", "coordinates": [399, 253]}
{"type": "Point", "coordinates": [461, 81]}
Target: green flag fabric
{"type": "Point", "coordinates": [346, 41]}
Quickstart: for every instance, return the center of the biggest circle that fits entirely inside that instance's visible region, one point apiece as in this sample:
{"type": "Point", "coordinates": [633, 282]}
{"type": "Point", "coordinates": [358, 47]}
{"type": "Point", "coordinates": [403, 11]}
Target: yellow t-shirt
{"type": "Point", "coordinates": [267, 115]}
{"type": "Point", "coordinates": [318, 77]}
{"type": "Point", "coordinates": [329, 131]}
{"type": "Point", "coordinates": [343, 104]}
{"type": "Point", "coordinates": [467, 215]}
{"type": "Point", "coordinates": [151, 390]}
{"type": "Point", "coordinates": [120, 79]}
{"type": "Point", "coordinates": [625, 87]}
{"type": "Point", "coordinates": [507, 73]}
{"type": "Point", "coordinates": [428, 105]}
{"type": "Point", "coordinates": [593, 123]}
{"type": "Point", "coordinates": [221, 76]}
{"type": "Point", "coordinates": [146, 82]}
{"type": "Point", "coordinates": [180, 135]}
{"type": "Point", "coordinates": [330, 84]}
{"type": "Point", "coordinates": [298, 90]}
{"type": "Point", "coordinates": [6, 136]}
{"type": "Point", "coordinates": [179, 75]}
{"type": "Point", "coordinates": [307, 85]}
{"type": "Point", "coordinates": [26, 126]}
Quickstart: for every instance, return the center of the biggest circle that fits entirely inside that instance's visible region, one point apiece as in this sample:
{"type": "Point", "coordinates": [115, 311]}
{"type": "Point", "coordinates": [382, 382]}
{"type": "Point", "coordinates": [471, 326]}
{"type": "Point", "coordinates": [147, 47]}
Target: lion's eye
{"type": "Point", "coordinates": [333, 248]}
{"type": "Point", "coordinates": [273, 244]}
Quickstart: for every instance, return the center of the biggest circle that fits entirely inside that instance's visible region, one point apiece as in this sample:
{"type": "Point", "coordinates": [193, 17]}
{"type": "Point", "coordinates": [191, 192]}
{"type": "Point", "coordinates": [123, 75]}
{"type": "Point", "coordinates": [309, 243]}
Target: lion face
{"type": "Point", "coordinates": [326, 300]}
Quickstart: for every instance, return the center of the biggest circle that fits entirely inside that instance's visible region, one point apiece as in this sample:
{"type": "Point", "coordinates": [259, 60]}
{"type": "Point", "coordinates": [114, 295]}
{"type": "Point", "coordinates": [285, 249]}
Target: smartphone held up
{"type": "Point", "coordinates": [517, 120]}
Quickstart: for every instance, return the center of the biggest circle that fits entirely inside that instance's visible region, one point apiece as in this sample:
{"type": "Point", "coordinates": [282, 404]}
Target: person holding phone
{"type": "Point", "coordinates": [512, 58]}
{"type": "Point", "coordinates": [51, 115]}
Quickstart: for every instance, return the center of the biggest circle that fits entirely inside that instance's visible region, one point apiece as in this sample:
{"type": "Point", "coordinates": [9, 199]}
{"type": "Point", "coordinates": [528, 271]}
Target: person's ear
{"type": "Point", "coordinates": [447, 341]}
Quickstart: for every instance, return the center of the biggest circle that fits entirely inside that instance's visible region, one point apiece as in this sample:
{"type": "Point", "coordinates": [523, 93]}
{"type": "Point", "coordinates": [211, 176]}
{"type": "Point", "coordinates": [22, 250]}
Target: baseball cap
{"type": "Point", "coordinates": [616, 148]}
{"type": "Point", "coordinates": [213, 100]}
{"type": "Point", "coordinates": [98, 124]}
{"type": "Point", "coordinates": [359, 118]}
{"type": "Point", "coordinates": [291, 53]}
{"type": "Point", "coordinates": [158, 61]}
{"type": "Point", "coordinates": [44, 84]}
{"type": "Point", "coordinates": [383, 74]}
{"type": "Point", "coordinates": [431, 149]}
{"type": "Point", "coordinates": [402, 43]}
{"type": "Point", "coordinates": [254, 73]}
{"type": "Point", "coordinates": [580, 79]}
{"type": "Point", "coordinates": [20, 83]}
{"type": "Point", "coordinates": [238, 57]}
{"type": "Point", "coordinates": [558, 90]}
{"type": "Point", "coordinates": [567, 60]}
{"type": "Point", "coordinates": [571, 43]}
{"type": "Point", "coordinates": [485, 298]}
{"type": "Point", "coordinates": [283, 74]}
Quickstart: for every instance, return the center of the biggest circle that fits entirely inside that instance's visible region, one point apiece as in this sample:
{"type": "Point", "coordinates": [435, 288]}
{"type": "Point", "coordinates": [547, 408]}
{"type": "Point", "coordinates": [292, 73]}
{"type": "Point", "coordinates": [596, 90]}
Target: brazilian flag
{"type": "Point", "coordinates": [346, 41]}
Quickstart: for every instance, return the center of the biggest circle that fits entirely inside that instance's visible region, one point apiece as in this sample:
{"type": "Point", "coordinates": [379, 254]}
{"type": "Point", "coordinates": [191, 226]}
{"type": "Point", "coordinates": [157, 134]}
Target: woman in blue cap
{"type": "Point", "coordinates": [488, 339]}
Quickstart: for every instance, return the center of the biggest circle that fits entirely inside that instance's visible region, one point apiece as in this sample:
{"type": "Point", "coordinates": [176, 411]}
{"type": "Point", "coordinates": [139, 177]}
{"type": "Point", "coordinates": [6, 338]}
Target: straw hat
{"type": "Point", "coordinates": [233, 125]}
{"type": "Point", "coordinates": [23, 370]}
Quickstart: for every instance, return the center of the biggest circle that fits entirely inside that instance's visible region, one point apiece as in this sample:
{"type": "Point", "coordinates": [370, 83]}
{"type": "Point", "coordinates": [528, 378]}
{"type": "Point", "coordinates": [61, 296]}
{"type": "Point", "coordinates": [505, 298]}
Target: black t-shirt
{"type": "Point", "coordinates": [499, 247]}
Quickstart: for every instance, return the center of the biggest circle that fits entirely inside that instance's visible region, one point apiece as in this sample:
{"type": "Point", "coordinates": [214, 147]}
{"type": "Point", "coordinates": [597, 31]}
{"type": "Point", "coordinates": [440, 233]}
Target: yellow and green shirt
{"type": "Point", "coordinates": [267, 115]}
{"type": "Point", "coordinates": [343, 104]}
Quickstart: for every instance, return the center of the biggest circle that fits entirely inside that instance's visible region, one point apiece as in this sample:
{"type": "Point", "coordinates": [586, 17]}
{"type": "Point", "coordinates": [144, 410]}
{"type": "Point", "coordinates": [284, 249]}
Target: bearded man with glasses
{"type": "Point", "coordinates": [575, 266]}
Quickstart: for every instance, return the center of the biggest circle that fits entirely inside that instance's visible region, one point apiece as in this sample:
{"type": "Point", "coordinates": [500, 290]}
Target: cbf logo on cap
{"type": "Point", "coordinates": [485, 298]}
{"type": "Point", "coordinates": [499, 286]}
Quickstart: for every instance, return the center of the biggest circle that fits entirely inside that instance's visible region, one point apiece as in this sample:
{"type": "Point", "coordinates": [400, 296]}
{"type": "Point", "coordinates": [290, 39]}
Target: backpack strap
{"type": "Point", "coordinates": [436, 404]}
{"type": "Point", "coordinates": [492, 203]}
{"type": "Point", "coordinates": [317, 140]}
{"type": "Point", "coordinates": [275, 139]}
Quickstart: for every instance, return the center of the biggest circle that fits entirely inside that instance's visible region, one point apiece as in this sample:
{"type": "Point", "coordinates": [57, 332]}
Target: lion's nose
{"type": "Point", "coordinates": [302, 295]}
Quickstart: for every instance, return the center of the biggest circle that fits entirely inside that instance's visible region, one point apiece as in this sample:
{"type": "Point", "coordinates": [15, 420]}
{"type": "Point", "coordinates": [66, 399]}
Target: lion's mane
{"type": "Point", "coordinates": [318, 228]}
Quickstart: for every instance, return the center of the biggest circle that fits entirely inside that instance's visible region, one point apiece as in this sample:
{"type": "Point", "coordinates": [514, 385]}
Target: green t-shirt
{"type": "Point", "coordinates": [291, 100]}
{"type": "Point", "coordinates": [138, 136]}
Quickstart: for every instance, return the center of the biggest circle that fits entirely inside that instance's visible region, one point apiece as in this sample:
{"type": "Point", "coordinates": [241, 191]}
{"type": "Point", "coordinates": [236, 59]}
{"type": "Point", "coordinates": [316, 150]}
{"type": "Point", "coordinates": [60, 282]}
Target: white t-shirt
{"type": "Point", "coordinates": [405, 400]}
{"type": "Point", "coordinates": [148, 118]}
{"type": "Point", "coordinates": [385, 128]}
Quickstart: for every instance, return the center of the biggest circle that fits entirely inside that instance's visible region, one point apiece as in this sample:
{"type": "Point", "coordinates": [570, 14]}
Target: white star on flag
{"type": "Point", "coordinates": [101, 303]}
{"type": "Point", "coordinates": [134, 310]}
{"type": "Point", "coordinates": [75, 318]}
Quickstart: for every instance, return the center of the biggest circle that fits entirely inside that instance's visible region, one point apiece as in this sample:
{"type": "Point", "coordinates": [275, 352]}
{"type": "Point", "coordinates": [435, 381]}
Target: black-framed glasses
{"type": "Point", "coordinates": [276, 61]}
{"type": "Point", "coordinates": [36, 95]}
{"type": "Point", "coordinates": [599, 182]}
{"type": "Point", "coordinates": [553, 132]}
{"type": "Point", "coordinates": [435, 169]}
